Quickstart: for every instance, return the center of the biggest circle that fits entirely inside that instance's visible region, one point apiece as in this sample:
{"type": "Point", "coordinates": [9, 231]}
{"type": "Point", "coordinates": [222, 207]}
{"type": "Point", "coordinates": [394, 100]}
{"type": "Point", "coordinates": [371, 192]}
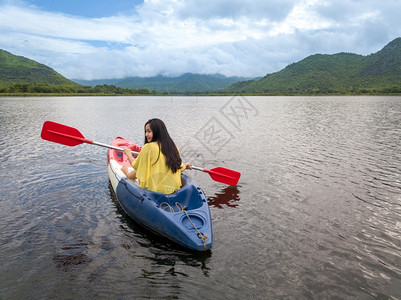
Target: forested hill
{"type": "Point", "coordinates": [17, 69]}
{"type": "Point", "coordinates": [342, 73]}
{"type": "Point", "coordinates": [337, 73]}
{"type": "Point", "coordinates": [185, 83]}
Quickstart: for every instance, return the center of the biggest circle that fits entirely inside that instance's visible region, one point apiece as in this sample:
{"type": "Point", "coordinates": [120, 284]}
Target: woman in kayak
{"type": "Point", "coordinates": [158, 166]}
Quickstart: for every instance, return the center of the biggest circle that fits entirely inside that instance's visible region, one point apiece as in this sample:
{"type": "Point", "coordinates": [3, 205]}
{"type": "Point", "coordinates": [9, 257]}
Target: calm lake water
{"type": "Point", "coordinates": [316, 214]}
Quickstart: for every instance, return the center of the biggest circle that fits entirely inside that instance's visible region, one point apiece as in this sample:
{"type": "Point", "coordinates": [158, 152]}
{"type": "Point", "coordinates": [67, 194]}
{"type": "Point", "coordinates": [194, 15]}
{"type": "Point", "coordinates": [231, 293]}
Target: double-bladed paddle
{"type": "Point", "coordinates": [66, 135]}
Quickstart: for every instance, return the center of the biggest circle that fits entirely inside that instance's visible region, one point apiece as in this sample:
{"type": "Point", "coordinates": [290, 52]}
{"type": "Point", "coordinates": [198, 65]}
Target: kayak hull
{"type": "Point", "coordinates": [182, 217]}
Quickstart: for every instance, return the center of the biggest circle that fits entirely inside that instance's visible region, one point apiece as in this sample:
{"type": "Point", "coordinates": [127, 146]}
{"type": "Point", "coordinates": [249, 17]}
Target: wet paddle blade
{"type": "Point", "coordinates": [62, 134]}
{"type": "Point", "coordinates": [224, 175]}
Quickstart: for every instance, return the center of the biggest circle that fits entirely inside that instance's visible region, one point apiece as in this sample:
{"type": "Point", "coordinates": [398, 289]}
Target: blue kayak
{"type": "Point", "coordinates": [183, 217]}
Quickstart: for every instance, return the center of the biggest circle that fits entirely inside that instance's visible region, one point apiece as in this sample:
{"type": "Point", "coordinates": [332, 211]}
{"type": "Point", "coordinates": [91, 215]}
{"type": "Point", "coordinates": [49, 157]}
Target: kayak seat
{"type": "Point", "coordinates": [189, 196]}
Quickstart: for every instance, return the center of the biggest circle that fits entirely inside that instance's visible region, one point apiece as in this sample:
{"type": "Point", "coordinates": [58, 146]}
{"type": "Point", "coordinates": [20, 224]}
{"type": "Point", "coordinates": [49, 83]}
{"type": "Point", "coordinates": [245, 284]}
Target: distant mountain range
{"type": "Point", "coordinates": [18, 69]}
{"type": "Point", "coordinates": [186, 83]}
{"type": "Point", "coordinates": [337, 73]}
{"type": "Point", "coordinates": [320, 73]}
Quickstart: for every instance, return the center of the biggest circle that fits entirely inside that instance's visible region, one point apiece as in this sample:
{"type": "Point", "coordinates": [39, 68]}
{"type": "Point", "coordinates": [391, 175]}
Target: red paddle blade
{"type": "Point", "coordinates": [224, 175]}
{"type": "Point", "coordinates": [62, 134]}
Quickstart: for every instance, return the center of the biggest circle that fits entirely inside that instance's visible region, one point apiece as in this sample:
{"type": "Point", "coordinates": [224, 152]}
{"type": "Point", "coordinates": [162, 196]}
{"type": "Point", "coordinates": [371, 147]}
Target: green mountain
{"type": "Point", "coordinates": [18, 69]}
{"type": "Point", "coordinates": [337, 73]}
{"type": "Point", "coordinates": [185, 83]}
{"type": "Point", "coordinates": [341, 73]}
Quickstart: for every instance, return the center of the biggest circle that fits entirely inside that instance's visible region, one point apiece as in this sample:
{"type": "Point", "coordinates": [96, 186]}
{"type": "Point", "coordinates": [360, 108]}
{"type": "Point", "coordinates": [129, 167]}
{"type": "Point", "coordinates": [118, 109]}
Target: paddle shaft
{"type": "Point", "coordinates": [210, 172]}
{"type": "Point", "coordinates": [70, 136]}
{"type": "Point", "coordinates": [134, 152]}
{"type": "Point", "coordinates": [224, 178]}
{"type": "Point", "coordinates": [111, 147]}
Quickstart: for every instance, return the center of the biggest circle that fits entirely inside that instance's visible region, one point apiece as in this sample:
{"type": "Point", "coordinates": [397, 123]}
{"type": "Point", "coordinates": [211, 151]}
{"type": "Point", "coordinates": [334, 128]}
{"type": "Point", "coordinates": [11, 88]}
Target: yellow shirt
{"type": "Point", "coordinates": [153, 173]}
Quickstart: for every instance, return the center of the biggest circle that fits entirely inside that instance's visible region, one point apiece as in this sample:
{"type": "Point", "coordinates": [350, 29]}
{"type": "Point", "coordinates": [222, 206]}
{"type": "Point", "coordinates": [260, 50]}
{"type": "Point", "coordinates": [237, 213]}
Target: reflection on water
{"type": "Point", "coordinates": [226, 197]}
{"type": "Point", "coordinates": [73, 254]}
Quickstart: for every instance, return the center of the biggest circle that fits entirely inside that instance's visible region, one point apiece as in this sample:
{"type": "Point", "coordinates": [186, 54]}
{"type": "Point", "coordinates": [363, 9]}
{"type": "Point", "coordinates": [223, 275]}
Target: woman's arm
{"type": "Point", "coordinates": [127, 152]}
{"type": "Point", "coordinates": [132, 174]}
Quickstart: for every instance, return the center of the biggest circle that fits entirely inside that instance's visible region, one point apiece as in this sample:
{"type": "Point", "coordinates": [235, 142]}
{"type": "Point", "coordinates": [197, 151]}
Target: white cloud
{"type": "Point", "coordinates": [244, 38]}
{"type": "Point", "coordinates": [35, 22]}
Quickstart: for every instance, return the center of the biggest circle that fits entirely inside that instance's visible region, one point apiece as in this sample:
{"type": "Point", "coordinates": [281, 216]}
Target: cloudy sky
{"type": "Point", "coordinates": [98, 39]}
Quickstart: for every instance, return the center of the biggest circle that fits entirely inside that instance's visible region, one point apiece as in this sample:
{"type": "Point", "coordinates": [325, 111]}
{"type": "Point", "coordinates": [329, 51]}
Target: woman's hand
{"type": "Point", "coordinates": [128, 152]}
{"type": "Point", "coordinates": [188, 166]}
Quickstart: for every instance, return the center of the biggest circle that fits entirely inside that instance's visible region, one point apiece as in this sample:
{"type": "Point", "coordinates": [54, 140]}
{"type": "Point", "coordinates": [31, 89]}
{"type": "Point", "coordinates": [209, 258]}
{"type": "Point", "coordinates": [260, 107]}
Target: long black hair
{"type": "Point", "coordinates": [167, 145]}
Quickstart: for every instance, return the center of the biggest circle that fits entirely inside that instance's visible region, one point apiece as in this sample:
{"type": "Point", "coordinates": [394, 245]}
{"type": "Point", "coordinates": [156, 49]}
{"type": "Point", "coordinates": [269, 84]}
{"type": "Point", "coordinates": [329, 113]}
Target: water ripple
{"type": "Point", "coordinates": [317, 209]}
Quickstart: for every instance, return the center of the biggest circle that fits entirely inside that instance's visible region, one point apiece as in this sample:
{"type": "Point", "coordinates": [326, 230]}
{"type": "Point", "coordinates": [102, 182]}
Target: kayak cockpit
{"type": "Point", "coordinates": [189, 196]}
